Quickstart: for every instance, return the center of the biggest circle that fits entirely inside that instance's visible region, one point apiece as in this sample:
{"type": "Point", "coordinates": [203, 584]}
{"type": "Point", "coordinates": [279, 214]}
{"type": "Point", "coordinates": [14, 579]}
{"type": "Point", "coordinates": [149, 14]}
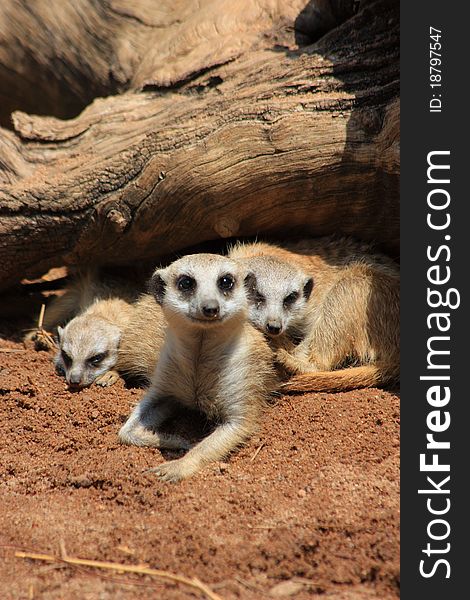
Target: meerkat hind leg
{"type": "Point", "coordinates": [215, 446]}
{"type": "Point", "coordinates": [141, 428]}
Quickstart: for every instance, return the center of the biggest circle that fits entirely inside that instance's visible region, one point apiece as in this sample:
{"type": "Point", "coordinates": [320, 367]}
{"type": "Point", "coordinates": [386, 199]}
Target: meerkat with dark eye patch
{"type": "Point", "coordinates": [278, 295]}
{"type": "Point", "coordinates": [89, 343]}
{"type": "Point", "coordinates": [212, 359]}
{"type": "Point", "coordinates": [97, 306]}
{"type": "Point", "coordinates": [112, 339]}
{"type": "Point", "coordinates": [339, 298]}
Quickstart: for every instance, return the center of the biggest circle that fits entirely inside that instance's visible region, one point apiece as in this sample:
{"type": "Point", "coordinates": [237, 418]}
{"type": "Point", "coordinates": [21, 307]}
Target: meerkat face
{"type": "Point", "coordinates": [278, 294]}
{"type": "Point", "coordinates": [88, 347]}
{"type": "Point", "coordinates": [204, 290]}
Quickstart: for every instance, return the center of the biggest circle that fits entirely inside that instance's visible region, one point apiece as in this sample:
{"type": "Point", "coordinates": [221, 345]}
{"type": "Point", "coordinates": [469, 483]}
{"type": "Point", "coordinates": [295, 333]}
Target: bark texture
{"type": "Point", "coordinates": [221, 119]}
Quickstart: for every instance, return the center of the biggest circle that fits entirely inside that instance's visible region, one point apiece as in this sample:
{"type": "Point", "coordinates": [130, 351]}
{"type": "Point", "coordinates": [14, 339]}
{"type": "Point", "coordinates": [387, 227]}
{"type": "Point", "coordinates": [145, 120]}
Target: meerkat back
{"type": "Point", "coordinates": [142, 340]}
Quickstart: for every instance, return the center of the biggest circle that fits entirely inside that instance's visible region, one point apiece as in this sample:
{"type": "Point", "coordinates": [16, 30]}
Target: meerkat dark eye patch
{"type": "Point", "coordinates": [97, 359]}
{"type": "Point", "coordinates": [258, 299]}
{"type": "Point", "coordinates": [226, 282]}
{"type": "Point", "coordinates": [250, 286]}
{"type": "Point", "coordinates": [290, 299]}
{"type": "Point", "coordinates": [66, 358]}
{"type": "Point", "coordinates": [254, 296]}
{"type": "Point", "coordinates": [156, 287]}
{"type": "Point", "coordinates": [308, 287]}
{"type": "Point", "coordinates": [185, 283]}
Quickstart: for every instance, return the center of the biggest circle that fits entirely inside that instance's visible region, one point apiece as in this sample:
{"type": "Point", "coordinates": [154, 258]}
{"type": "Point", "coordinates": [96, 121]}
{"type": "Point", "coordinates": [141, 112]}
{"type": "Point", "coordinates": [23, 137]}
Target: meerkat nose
{"type": "Point", "coordinates": [273, 329]}
{"type": "Point", "coordinates": [211, 310]}
{"type": "Point", "coordinates": [74, 380]}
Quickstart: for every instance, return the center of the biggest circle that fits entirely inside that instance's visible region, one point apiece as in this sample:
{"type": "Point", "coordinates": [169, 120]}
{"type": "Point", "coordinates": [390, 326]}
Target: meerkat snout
{"type": "Point", "coordinates": [211, 309]}
{"type": "Point", "coordinates": [200, 289]}
{"type": "Point", "coordinates": [273, 329]}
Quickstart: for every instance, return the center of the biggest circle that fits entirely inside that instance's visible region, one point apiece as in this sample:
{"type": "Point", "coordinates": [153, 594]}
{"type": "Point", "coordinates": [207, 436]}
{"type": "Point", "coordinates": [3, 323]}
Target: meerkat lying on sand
{"type": "Point", "coordinates": [88, 343]}
{"type": "Point", "coordinates": [335, 295]}
{"type": "Point", "coordinates": [114, 334]}
{"type": "Point", "coordinates": [111, 339]}
{"type": "Point", "coordinates": [212, 359]}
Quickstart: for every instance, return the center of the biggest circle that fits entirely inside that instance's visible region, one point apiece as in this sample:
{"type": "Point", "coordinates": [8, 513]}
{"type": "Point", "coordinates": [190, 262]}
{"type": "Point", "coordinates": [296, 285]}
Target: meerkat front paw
{"type": "Point", "coordinates": [107, 379]}
{"type": "Point", "coordinates": [173, 471]}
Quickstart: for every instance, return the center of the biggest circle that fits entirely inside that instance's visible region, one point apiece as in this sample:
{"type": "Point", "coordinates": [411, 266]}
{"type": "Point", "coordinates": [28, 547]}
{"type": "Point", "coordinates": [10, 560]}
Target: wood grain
{"type": "Point", "coordinates": [280, 140]}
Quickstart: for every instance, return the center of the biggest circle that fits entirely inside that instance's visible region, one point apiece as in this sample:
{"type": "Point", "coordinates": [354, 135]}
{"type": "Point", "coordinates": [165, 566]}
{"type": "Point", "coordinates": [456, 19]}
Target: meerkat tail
{"type": "Point", "coordinates": [339, 381]}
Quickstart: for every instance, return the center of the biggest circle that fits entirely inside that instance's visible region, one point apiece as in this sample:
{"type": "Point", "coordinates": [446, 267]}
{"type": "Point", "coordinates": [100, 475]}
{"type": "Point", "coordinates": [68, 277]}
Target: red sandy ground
{"type": "Point", "coordinates": [318, 506]}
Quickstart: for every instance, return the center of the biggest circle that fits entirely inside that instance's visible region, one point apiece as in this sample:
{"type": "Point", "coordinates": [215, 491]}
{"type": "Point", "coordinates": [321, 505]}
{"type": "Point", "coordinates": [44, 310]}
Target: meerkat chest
{"type": "Point", "coordinates": [197, 372]}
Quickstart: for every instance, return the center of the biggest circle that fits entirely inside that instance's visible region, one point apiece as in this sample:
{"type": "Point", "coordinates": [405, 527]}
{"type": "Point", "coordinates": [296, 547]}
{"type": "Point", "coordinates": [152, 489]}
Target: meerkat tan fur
{"type": "Point", "coordinates": [88, 285]}
{"type": "Point", "coordinates": [339, 298]}
{"type": "Point", "coordinates": [89, 342]}
{"type": "Point", "coordinates": [142, 340]}
{"type": "Point", "coordinates": [212, 359]}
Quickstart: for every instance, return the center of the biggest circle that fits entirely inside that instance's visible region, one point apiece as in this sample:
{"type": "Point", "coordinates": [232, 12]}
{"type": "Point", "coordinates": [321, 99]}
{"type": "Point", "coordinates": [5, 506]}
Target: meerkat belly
{"type": "Point", "coordinates": [217, 379]}
{"type": "Point", "coordinates": [205, 377]}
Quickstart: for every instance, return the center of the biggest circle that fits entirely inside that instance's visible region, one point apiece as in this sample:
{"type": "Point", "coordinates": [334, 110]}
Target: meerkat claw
{"type": "Point", "coordinates": [107, 379]}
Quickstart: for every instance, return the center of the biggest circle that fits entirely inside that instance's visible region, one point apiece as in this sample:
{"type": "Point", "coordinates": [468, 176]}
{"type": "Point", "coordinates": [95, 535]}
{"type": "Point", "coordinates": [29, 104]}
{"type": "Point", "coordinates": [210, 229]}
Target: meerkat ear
{"type": "Point", "coordinates": [250, 283]}
{"type": "Point", "coordinates": [308, 288]}
{"type": "Point", "coordinates": [156, 286]}
{"type": "Point", "coordinates": [60, 331]}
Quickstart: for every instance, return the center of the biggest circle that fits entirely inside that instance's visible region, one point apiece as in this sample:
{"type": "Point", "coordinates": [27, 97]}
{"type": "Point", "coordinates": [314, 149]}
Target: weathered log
{"type": "Point", "coordinates": [56, 56]}
{"type": "Point", "coordinates": [275, 141]}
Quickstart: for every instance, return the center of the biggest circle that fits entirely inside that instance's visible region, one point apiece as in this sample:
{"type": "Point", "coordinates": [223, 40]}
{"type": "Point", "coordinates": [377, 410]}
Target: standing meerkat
{"type": "Point", "coordinates": [212, 359]}
{"type": "Point", "coordinates": [336, 296]}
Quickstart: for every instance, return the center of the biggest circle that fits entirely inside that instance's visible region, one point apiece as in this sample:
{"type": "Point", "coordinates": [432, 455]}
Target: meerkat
{"type": "Point", "coordinates": [330, 308]}
{"type": "Point", "coordinates": [212, 359]}
{"type": "Point", "coordinates": [88, 343]}
{"type": "Point", "coordinates": [278, 294]}
{"type": "Point", "coordinates": [112, 339]}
